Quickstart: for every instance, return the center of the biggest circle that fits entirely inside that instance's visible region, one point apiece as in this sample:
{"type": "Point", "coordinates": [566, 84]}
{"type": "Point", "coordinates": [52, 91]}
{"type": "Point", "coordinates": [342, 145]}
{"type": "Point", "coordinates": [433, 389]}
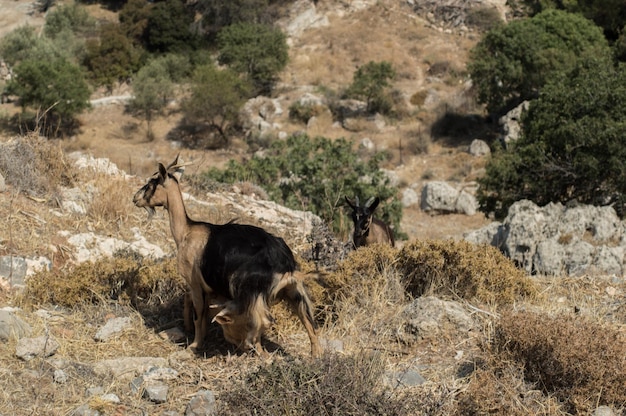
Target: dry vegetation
{"type": "Point", "coordinates": [549, 346]}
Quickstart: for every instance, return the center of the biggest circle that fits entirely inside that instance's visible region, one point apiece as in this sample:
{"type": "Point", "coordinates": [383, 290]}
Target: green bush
{"type": "Point", "coordinates": [315, 174]}
{"type": "Point", "coordinates": [512, 62]}
{"type": "Point", "coordinates": [168, 28]}
{"type": "Point", "coordinates": [370, 83]}
{"type": "Point", "coordinates": [571, 147]}
{"type": "Point", "coordinates": [256, 50]}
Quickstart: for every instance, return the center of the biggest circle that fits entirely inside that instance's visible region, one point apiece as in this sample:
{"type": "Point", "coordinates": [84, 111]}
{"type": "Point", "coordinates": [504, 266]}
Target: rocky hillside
{"type": "Point", "coordinates": [437, 327]}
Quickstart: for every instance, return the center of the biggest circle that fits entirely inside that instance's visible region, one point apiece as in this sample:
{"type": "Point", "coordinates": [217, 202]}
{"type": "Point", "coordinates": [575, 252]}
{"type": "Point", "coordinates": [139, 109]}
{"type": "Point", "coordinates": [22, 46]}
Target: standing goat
{"type": "Point", "coordinates": [368, 229]}
{"type": "Point", "coordinates": [243, 265]}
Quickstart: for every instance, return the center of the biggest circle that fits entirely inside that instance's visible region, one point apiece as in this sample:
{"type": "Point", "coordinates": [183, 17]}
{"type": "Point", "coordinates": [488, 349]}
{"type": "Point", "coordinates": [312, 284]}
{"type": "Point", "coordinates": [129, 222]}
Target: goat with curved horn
{"type": "Point", "coordinates": [367, 228]}
{"type": "Point", "coordinates": [244, 266]}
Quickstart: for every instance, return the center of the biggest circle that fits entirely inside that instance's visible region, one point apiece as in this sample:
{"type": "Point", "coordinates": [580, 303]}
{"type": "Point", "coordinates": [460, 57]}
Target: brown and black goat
{"type": "Point", "coordinates": [367, 228]}
{"type": "Point", "coordinates": [245, 267]}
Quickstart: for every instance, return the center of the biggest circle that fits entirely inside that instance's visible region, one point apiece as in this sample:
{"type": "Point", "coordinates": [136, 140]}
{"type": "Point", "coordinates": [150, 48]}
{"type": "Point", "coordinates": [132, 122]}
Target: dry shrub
{"type": "Point", "coordinates": [332, 385]}
{"type": "Point", "coordinates": [112, 203]}
{"type": "Point", "coordinates": [35, 165]}
{"type": "Point", "coordinates": [463, 269]}
{"type": "Point", "coordinates": [501, 390]}
{"type": "Point", "coordinates": [580, 362]}
{"type": "Point", "coordinates": [151, 286]}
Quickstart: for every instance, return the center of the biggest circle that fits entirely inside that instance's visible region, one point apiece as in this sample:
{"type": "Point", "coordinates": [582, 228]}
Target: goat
{"type": "Point", "coordinates": [244, 266]}
{"type": "Point", "coordinates": [368, 229]}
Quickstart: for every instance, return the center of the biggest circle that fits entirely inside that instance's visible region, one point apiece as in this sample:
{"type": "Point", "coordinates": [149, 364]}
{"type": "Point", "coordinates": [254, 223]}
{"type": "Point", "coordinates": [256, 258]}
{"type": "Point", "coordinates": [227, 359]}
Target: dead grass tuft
{"type": "Point", "coordinates": [150, 286]}
{"type": "Point", "coordinates": [579, 361]}
{"type": "Point", "coordinates": [462, 269]}
{"type": "Point", "coordinates": [35, 165]}
{"type": "Point", "coordinates": [111, 205]}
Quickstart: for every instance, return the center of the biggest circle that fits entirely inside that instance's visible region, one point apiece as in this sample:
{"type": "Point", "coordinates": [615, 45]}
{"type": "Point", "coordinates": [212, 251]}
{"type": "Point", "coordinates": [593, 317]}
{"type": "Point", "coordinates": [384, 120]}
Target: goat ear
{"type": "Point", "coordinates": [372, 203]}
{"type": "Point", "coordinates": [175, 162]}
{"type": "Point", "coordinates": [162, 173]}
{"type": "Point", "coordinates": [349, 203]}
{"type": "Point", "coordinates": [223, 318]}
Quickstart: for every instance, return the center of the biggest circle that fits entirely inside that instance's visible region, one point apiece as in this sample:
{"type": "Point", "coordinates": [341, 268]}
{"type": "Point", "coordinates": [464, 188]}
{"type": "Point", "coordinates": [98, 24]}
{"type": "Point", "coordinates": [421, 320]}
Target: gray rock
{"type": "Point", "coordinates": [556, 239]}
{"type": "Point", "coordinates": [603, 411]}
{"type": "Point", "coordinates": [113, 327]}
{"type": "Point", "coordinates": [406, 378]}
{"type": "Point", "coordinates": [201, 404]}
{"type": "Point", "coordinates": [128, 366]}
{"type": "Point", "coordinates": [85, 410]}
{"type": "Point", "coordinates": [13, 269]}
{"type": "Point", "coordinates": [428, 317]}
{"type": "Point", "coordinates": [156, 392]}
{"type": "Point", "coordinates": [12, 326]}
{"type": "Point", "coordinates": [29, 348]}
{"type": "Point", "coordinates": [479, 148]}
{"type": "Point", "coordinates": [441, 197]}
{"type": "Point", "coordinates": [59, 377]}
{"type": "Point", "coordinates": [3, 185]}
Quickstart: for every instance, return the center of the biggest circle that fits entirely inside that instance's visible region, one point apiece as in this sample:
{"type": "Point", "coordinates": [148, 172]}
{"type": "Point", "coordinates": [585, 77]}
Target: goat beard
{"type": "Point", "coordinates": [151, 211]}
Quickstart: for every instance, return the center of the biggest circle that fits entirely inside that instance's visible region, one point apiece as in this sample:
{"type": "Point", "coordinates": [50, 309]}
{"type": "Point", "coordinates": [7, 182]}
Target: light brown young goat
{"type": "Point", "coordinates": [368, 229]}
{"type": "Point", "coordinates": [243, 266]}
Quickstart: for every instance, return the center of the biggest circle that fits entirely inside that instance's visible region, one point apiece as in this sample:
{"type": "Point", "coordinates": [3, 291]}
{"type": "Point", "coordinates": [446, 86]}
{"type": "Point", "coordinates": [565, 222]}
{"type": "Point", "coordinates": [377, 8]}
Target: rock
{"type": "Point", "coordinates": [113, 327]}
{"type": "Point", "coordinates": [441, 197]}
{"type": "Point", "coordinates": [3, 185]}
{"type": "Point", "coordinates": [409, 197]}
{"type": "Point", "coordinates": [201, 404]}
{"type": "Point", "coordinates": [128, 366]}
{"type": "Point", "coordinates": [479, 148]}
{"type": "Point", "coordinates": [510, 123]}
{"type": "Point", "coordinates": [59, 377]}
{"type": "Point", "coordinates": [13, 268]}
{"type": "Point", "coordinates": [406, 378]}
{"type": "Point", "coordinates": [29, 348]}
{"type": "Point", "coordinates": [156, 392]}
{"type": "Point", "coordinates": [12, 326]}
{"type": "Point", "coordinates": [428, 317]}
{"type": "Point", "coordinates": [555, 239]}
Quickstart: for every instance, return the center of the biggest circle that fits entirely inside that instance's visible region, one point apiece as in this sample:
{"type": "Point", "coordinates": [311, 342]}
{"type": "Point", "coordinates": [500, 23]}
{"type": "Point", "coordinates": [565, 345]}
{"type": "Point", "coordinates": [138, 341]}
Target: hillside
{"type": "Point", "coordinates": [437, 326]}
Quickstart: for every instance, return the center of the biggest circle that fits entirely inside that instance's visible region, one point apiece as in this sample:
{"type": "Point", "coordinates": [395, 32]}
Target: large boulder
{"type": "Point", "coordinates": [557, 239]}
{"type": "Point", "coordinates": [441, 197]}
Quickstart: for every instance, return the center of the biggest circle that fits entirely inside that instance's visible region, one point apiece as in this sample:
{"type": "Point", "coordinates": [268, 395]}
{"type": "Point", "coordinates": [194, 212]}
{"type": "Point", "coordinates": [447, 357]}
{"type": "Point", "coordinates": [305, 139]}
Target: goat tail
{"type": "Point", "coordinates": [292, 289]}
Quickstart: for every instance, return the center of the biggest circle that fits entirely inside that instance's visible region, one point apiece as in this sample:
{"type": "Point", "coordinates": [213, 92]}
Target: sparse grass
{"type": "Point", "coordinates": [580, 361]}
{"type": "Point", "coordinates": [335, 385]}
{"type": "Point", "coordinates": [35, 165]}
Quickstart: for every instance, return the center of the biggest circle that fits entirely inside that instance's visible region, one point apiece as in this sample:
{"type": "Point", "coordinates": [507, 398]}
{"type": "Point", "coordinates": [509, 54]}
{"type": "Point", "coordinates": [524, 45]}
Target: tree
{"type": "Point", "coordinates": [256, 50]}
{"type": "Point", "coordinates": [369, 83]}
{"type": "Point", "coordinates": [153, 88]}
{"type": "Point", "coordinates": [316, 174]}
{"type": "Point", "coordinates": [216, 98]}
{"type": "Point", "coordinates": [55, 87]}
{"type": "Point", "coordinates": [23, 43]}
{"type": "Point", "coordinates": [133, 19]}
{"type": "Point", "coordinates": [512, 62]}
{"type": "Point", "coordinates": [218, 14]}
{"type": "Point", "coordinates": [72, 18]}
{"type": "Point", "coordinates": [168, 28]}
{"type": "Point", "coordinates": [112, 57]}
{"type": "Point", "coordinates": [572, 144]}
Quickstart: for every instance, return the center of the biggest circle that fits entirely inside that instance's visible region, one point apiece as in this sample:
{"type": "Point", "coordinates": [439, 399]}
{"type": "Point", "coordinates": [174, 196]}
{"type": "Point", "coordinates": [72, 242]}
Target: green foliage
{"type": "Point", "coordinates": [316, 174]}
{"type": "Point", "coordinates": [512, 62]}
{"type": "Point", "coordinates": [610, 15]}
{"type": "Point", "coordinates": [370, 82]}
{"type": "Point", "coordinates": [216, 98]}
{"type": "Point", "coordinates": [571, 146]}
{"type": "Point", "coordinates": [168, 28]}
{"type": "Point", "coordinates": [304, 112]}
{"type": "Point", "coordinates": [256, 50]}
{"type": "Point", "coordinates": [56, 86]}
{"type": "Point", "coordinates": [133, 19]}
{"type": "Point", "coordinates": [72, 18]}
{"type": "Point", "coordinates": [112, 57]}
{"type": "Point", "coordinates": [20, 44]}
{"type": "Point", "coordinates": [153, 87]}
{"type": "Point", "coordinates": [218, 14]}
